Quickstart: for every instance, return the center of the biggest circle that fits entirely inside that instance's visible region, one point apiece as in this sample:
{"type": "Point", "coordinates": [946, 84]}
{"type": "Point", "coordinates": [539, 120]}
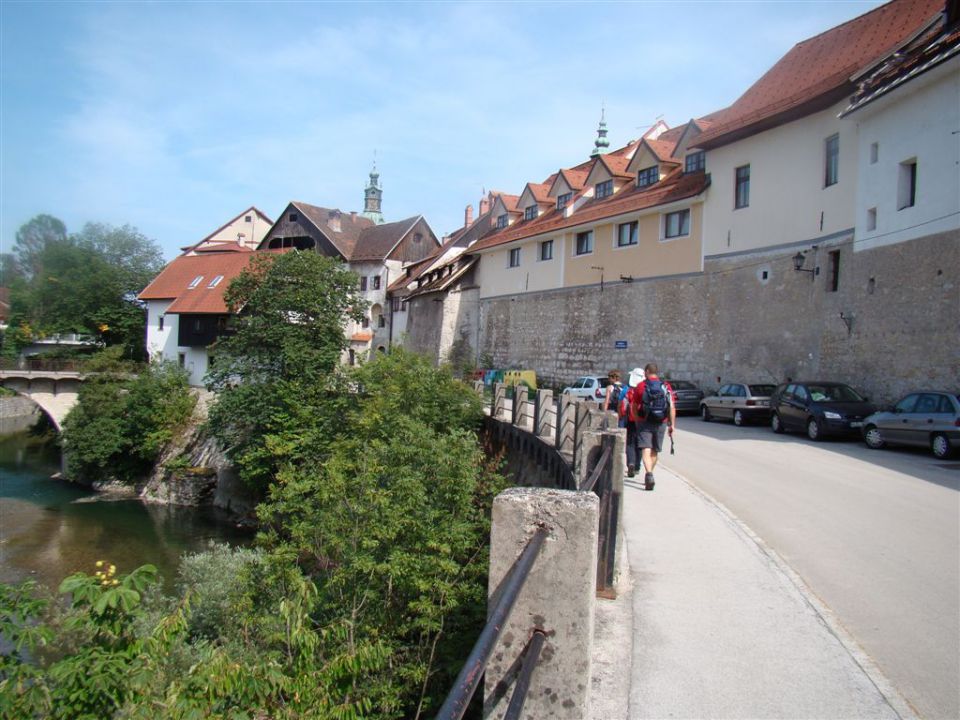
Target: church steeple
{"type": "Point", "coordinates": [601, 144]}
{"type": "Point", "coordinates": [371, 197]}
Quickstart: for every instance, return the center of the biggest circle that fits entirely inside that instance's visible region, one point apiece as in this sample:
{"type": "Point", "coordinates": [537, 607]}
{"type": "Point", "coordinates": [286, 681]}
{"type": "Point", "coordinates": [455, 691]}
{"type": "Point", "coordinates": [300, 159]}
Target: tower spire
{"type": "Point", "coordinates": [601, 144]}
{"type": "Point", "coordinates": [372, 195]}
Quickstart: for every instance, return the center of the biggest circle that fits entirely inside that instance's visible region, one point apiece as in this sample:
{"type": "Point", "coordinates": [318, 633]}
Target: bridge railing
{"type": "Point", "coordinates": [42, 364]}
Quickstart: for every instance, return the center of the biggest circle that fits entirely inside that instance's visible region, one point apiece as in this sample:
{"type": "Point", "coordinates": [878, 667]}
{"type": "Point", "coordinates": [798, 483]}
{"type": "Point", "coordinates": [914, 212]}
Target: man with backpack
{"type": "Point", "coordinates": [656, 408]}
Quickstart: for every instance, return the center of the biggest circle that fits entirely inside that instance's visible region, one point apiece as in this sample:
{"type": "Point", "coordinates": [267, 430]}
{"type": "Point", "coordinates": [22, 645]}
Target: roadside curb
{"type": "Point", "coordinates": [890, 694]}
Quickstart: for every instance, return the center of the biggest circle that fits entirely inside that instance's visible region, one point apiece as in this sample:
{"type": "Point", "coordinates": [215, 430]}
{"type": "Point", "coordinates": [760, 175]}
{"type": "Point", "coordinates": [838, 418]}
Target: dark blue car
{"type": "Point", "coordinates": [818, 408]}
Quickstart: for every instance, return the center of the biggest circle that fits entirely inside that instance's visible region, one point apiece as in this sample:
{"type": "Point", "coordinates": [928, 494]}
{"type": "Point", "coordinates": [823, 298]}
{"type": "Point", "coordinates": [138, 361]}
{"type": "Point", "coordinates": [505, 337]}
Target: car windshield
{"type": "Point", "coordinates": [761, 390]}
{"type": "Point", "coordinates": [682, 385]}
{"type": "Point", "coordinates": [603, 382]}
{"type": "Point", "coordinates": [833, 393]}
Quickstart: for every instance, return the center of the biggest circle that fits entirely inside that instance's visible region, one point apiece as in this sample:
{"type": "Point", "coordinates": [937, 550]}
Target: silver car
{"type": "Point", "coordinates": [929, 419]}
{"type": "Point", "coordinates": [740, 402]}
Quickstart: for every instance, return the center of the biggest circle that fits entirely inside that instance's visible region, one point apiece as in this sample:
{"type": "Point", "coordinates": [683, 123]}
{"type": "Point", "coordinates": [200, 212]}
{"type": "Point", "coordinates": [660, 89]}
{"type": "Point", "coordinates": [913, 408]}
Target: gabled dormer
{"type": "Point", "coordinates": [694, 159]}
{"type": "Point", "coordinates": [565, 186]}
{"type": "Point", "coordinates": [504, 212]}
{"type": "Point", "coordinates": [534, 200]}
{"type": "Point", "coordinates": [652, 162]}
{"type": "Point", "coordinates": [607, 175]}
{"type": "Point", "coordinates": [655, 131]}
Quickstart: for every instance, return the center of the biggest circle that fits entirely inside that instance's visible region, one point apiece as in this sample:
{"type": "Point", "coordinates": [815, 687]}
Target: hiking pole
{"type": "Point", "coordinates": [672, 451]}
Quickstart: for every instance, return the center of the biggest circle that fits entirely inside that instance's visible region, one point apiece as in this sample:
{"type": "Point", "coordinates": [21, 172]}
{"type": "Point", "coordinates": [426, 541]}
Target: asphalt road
{"type": "Point", "coordinates": [874, 534]}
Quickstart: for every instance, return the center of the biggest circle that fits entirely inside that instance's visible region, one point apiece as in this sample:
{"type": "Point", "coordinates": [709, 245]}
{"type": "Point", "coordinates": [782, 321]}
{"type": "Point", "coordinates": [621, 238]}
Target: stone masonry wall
{"type": "Point", "coordinates": [753, 317]}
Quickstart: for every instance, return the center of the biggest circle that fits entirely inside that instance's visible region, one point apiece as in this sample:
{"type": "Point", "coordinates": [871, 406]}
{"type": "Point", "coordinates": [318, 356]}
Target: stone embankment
{"type": "Point", "coordinates": [17, 414]}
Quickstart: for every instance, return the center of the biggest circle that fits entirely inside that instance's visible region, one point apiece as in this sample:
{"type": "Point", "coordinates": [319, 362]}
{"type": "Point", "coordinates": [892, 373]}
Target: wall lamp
{"type": "Point", "coordinates": [626, 278]}
{"type": "Point", "coordinates": [798, 261]}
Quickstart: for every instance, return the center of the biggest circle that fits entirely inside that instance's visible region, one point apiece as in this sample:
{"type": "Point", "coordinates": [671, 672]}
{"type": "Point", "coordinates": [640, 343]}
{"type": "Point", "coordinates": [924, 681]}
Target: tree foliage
{"type": "Point", "coordinates": [277, 368]}
{"type": "Point", "coordinates": [85, 282]}
{"type": "Point", "coordinates": [121, 422]}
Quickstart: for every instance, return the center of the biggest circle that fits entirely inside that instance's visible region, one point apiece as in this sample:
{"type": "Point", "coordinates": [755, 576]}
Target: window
{"type": "Point", "coordinates": [585, 242]}
{"type": "Point", "coordinates": [160, 323]}
{"type": "Point", "coordinates": [874, 153]}
{"type": "Point", "coordinates": [501, 221]}
{"type": "Point", "coordinates": [365, 323]}
{"type": "Point", "coordinates": [627, 234]}
{"type": "Point", "coordinates": [648, 176]}
{"type": "Point", "coordinates": [293, 217]}
{"type": "Point", "coordinates": [833, 281]}
{"type": "Point", "coordinates": [216, 281]}
{"type": "Point", "coordinates": [695, 161]}
{"type": "Point", "coordinates": [604, 189]}
{"type": "Point", "coordinates": [563, 200]}
{"type": "Point", "coordinates": [676, 224]}
{"type": "Point", "coordinates": [376, 282]}
{"type": "Point", "coordinates": [515, 257]}
{"type": "Point", "coordinates": [872, 219]}
{"type": "Point", "coordinates": [196, 281]}
{"type": "Point", "coordinates": [832, 167]}
{"type": "Point", "coordinates": [742, 195]}
{"type": "Point", "coordinates": [181, 359]}
{"type": "Point", "coordinates": [546, 250]}
{"type": "Point", "coordinates": [248, 218]}
{"type": "Point", "coordinates": [417, 238]}
{"type": "Point", "coordinates": [363, 283]}
{"type": "Point", "coordinates": [381, 321]}
{"type": "Point", "coordinates": [530, 213]}
{"type": "Point", "coordinates": [907, 185]}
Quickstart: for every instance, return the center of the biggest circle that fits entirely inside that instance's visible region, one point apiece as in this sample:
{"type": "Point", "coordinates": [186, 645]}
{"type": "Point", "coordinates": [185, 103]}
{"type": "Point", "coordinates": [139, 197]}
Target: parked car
{"type": "Point", "coordinates": [688, 396]}
{"type": "Point", "coordinates": [589, 387]}
{"type": "Point", "coordinates": [819, 408]}
{"type": "Point", "coordinates": [740, 402]}
{"type": "Point", "coordinates": [929, 419]}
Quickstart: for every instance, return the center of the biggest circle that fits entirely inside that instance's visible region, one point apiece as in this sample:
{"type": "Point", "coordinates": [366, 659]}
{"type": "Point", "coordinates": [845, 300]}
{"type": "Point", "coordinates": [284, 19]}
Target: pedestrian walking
{"type": "Point", "coordinates": [656, 410]}
{"type": "Point", "coordinates": [628, 419]}
{"type": "Point", "coordinates": [611, 398]}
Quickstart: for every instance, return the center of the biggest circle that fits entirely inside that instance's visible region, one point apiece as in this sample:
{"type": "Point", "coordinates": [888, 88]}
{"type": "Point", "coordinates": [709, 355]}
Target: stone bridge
{"type": "Point", "coordinates": [54, 391]}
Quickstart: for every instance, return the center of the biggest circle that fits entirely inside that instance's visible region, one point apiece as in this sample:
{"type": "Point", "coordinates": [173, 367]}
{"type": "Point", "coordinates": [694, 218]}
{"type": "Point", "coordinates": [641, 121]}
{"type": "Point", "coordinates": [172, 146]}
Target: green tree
{"type": "Point", "coordinates": [120, 423]}
{"type": "Point", "coordinates": [276, 371]}
{"type": "Point", "coordinates": [32, 239]}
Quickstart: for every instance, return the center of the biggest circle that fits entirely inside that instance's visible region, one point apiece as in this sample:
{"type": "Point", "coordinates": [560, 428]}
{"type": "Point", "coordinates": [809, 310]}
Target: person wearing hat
{"type": "Point", "coordinates": [633, 453]}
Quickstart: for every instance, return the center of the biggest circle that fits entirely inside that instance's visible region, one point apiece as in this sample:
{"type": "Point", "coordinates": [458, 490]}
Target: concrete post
{"type": "Point", "coordinates": [566, 424]}
{"type": "Point", "coordinates": [519, 405]}
{"type": "Point", "coordinates": [588, 418]}
{"type": "Point", "coordinates": [499, 400]}
{"type": "Point", "coordinates": [542, 411]}
{"type": "Point", "coordinates": [559, 598]}
{"type": "Point", "coordinates": [478, 387]}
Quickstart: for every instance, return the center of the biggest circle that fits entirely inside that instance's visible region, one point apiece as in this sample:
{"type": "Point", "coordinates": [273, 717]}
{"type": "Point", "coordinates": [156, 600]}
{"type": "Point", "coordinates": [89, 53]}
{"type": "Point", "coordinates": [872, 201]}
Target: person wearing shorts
{"type": "Point", "coordinates": [650, 433]}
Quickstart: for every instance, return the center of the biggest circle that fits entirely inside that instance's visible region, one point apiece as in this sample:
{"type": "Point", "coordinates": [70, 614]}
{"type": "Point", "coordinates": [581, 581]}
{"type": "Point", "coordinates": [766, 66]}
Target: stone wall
{"type": "Point", "coordinates": [17, 414]}
{"type": "Point", "coordinates": [752, 317]}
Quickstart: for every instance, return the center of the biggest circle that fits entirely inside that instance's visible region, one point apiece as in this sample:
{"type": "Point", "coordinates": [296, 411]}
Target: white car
{"type": "Point", "coordinates": [589, 387]}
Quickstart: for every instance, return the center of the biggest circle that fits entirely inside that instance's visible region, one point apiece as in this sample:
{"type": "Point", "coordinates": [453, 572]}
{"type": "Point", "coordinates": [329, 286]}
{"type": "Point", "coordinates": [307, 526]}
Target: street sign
{"type": "Point", "coordinates": [620, 344]}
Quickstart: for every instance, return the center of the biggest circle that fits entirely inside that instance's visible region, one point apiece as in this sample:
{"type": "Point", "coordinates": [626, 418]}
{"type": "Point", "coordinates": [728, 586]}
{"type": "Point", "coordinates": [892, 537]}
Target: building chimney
{"type": "Point", "coordinates": [468, 216]}
{"type": "Point", "coordinates": [484, 205]}
{"type": "Point", "coordinates": [333, 220]}
{"type": "Point", "coordinates": [353, 214]}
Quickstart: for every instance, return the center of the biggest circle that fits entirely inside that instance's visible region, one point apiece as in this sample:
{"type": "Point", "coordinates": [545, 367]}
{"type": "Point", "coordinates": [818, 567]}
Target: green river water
{"type": "Point", "coordinates": [51, 528]}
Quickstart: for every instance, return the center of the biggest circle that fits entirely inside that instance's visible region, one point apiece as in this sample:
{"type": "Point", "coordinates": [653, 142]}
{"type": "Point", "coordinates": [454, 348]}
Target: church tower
{"type": "Point", "coordinates": [371, 197]}
{"type": "Point", "coordinates": [601, 144]}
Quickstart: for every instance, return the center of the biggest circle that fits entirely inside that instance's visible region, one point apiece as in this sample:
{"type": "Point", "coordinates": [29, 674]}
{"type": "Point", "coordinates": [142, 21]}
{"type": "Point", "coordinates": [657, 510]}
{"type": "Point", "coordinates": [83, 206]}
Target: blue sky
{"type": "Point", "coordinates": [175, 117]}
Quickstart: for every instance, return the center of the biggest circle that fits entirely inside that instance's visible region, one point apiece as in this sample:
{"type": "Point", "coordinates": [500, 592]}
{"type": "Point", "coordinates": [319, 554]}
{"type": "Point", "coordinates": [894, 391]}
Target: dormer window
{"type": "Point", "coordinates": [604, 189]}
{"type": "Point", "coordinates": [501, 221]}
{"type": "Point", "coordinates": [530, 213]}
{"type": "Point", "coordinates": [216, 281]}
{"type": "Point", "coordinates": [196, 281]}
{"type": "Point", "coordinates": [694, 162]}
{"type": "Point", "coordinates": [293, 217]}
{"type": "Point", "coordinates": [563, 200]}
{"type": "Point", "coordinates": [648, 176]}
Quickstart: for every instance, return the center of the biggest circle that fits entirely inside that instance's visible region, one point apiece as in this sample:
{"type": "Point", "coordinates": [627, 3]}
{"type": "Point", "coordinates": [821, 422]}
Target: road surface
{"type": "Point", "coordinates": [874, 534]}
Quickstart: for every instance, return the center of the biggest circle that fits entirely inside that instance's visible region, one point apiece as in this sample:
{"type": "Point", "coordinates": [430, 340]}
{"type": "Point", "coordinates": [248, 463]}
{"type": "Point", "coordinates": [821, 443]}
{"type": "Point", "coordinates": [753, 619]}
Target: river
{"type": "Point", "coordinates": [51, 528]}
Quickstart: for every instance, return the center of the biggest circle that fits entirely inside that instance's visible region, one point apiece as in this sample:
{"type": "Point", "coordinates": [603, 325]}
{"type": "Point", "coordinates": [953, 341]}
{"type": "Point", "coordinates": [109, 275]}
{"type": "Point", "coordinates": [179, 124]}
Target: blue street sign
{"type": "Point", "coordinates": [620, 344]}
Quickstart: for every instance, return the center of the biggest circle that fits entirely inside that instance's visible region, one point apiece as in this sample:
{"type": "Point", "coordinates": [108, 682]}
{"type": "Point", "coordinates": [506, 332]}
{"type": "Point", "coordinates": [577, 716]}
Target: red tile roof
{"type": "Point", "coordinates": [661, 148]}
{"type": "Point", "coordinates": [615, 164]}
{"type": "Point", "coordinates": [676, 186]}
{"type": "Point", "coordinates": [816, 72]}
{"type": "Point", "coordinates": [574, 178]}
{"type": "Point", "coordinates": [173, 282]}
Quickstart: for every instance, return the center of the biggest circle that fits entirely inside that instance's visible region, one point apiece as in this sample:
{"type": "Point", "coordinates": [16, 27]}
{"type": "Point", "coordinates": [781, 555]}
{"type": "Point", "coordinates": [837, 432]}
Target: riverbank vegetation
{"type": "Point", "coordinates": [368, 583]}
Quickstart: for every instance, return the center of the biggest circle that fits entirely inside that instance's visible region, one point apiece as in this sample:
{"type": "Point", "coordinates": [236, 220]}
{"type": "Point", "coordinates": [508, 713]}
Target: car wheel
{"type": "Point", "coordinates": [814, 429]}
{"type": "Point", "coordinates": [873, 438]}
{"type": "Point", "coordinates": [940, 446]}
{"type": "Point", "coordinates": [776, 424]}
{"type": "Point", "coordinates": [705, 413]}
{"type": "Point", "coordinates": [737, 418]}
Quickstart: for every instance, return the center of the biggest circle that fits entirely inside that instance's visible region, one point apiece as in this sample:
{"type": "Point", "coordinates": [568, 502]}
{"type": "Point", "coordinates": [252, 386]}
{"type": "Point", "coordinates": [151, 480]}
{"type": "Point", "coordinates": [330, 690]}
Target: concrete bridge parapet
{"type": "Point", "coordinates": [55, 392]}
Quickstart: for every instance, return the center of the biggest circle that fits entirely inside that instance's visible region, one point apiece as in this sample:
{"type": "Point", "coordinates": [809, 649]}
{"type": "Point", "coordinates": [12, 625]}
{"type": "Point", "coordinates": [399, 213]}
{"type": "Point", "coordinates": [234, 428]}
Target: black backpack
{"type": "Point", "coordinates": [654, 402]}
{"type": "Point", "coordinates": [615, 396]}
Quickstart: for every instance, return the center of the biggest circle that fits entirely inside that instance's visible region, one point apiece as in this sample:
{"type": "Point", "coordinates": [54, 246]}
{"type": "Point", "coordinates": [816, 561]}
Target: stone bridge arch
{"type": "Point", "coordinates": [55, 393]}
